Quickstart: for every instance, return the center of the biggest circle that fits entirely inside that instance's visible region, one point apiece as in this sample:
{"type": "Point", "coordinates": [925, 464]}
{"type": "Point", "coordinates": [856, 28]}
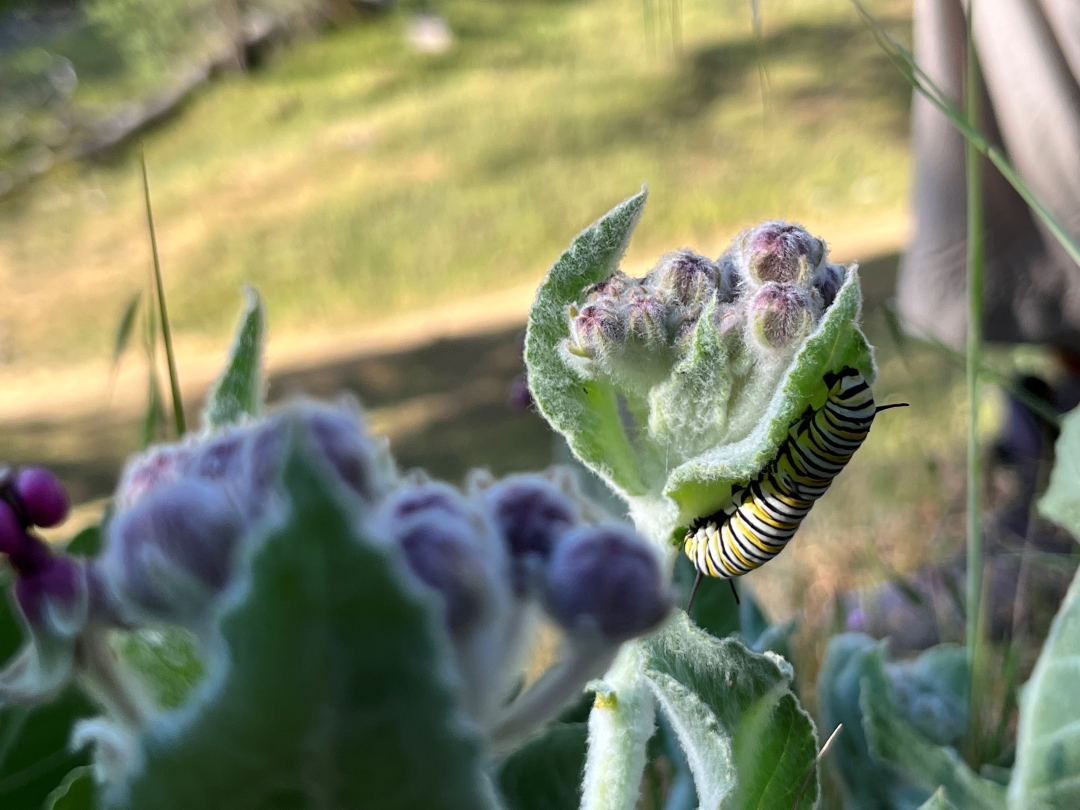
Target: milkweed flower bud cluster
{"type": "Point", "coordinates": [695, 350]}
{"type": "Point", "coordinates": [491, 560]}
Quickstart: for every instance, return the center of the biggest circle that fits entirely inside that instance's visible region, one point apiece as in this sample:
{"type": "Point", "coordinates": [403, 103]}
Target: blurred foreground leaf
{"type": "Point", "coordinates": [34, 752]}
{"type": "Point", "coordinates": [1061, 502]}
{"type": "Point", "coordinates": [334, 693]}
{"type": "Point", "coordinates": [239, 390]}
{"type": "Point", "coordinates": [939, 801]}
{"type": "Point", "coordinates": [895, 741]}
{"type": "Point", "coordinates": [1047, 770]}
{"type": "Point", "coordinates": [546, 773]}
{"type": "Point", "coordinates": [76, 792]}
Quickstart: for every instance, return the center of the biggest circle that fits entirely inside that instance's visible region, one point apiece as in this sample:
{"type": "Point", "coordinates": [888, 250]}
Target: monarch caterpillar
{"type": "Point", "coordinates": [766, 513]}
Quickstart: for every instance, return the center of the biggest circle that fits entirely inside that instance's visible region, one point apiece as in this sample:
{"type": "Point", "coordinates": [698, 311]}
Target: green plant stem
{"type": "Point", "coordinates": [166, 331]}
{"type": "Point", "coordinates": [974, 346]}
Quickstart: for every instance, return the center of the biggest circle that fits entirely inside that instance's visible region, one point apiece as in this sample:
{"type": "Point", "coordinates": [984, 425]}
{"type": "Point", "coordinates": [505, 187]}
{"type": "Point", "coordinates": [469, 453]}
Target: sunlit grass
{"type": "Point", "coordinates": [351, 179]}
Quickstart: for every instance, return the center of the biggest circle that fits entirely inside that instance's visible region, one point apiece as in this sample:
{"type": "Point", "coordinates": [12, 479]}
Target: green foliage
{"type": "Point", "coordinates": [166, 659]}
{"type": "Point", "coordinates": [34, 752]}
{"type": "Point", "coordinates": [239, 391]}
{"type": "Point", "coordinates": [586, 412]}
{"type": "Point", "coordinates": [76, 792]}
{"type": "Point", "coordinates": [335, 688]}
{"type": "Point", "coordinates": [939, 801]}
{"type": "Point", "coordinates": [1047, 771]}
{"type": "Point", "coordinates": [893, 740]}
{"type": "Point", "coordinates": [730, 706]}
{"type": "Point", "coordinates": [545, 774]}
{"type": "Point", "coordinates": [1061, 502]}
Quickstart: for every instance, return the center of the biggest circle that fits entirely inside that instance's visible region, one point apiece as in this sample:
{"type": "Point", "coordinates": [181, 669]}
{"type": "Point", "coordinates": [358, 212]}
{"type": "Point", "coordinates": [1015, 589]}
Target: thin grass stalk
{"type": "Point", "coordinates": [974, 345]}
{"type": "Point", "coordinates": [166, 331]}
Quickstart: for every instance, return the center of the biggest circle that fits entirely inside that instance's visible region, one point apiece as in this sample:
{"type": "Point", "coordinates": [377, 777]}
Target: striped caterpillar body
{"type": "Point", "coordinates": [766, 513]}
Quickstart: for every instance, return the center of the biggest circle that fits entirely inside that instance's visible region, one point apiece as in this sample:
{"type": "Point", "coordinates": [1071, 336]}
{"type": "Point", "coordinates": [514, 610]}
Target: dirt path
{"type": "Point", "coordinates": [83, 391]}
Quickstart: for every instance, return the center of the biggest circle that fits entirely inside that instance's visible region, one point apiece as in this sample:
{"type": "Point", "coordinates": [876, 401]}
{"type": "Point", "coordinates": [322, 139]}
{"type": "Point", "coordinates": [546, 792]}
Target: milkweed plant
{"type": "Point", "coordinates": [273, 615]}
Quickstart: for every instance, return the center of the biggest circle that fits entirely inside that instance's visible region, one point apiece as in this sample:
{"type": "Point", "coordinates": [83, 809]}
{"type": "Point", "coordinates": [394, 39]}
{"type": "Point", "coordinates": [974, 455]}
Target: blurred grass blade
{"type": "Point", "coordinates": [126, 327]}
{"type": "Point", "coordinates": [166, 332]}
{"type": "Point", "coordinates": [155, 414]}
{"type": "Point", "coordinates": [973, 173]}
{"type": "Point", "coordinates": [759, 42]}
{"type": "Point", "coordinates": [918, 79]}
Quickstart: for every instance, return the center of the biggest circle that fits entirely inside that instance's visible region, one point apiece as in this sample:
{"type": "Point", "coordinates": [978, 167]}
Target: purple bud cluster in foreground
{"type": "Point", "coordinates": [509, 538]}
{"type": "Point", "coordinates": [184, 511]}
{"type": "Point", "coordinates": [768, 288]}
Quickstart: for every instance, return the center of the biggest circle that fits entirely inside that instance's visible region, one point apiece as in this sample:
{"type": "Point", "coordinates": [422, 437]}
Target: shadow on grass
{"type": "Point", "coordinates": [452, 394]}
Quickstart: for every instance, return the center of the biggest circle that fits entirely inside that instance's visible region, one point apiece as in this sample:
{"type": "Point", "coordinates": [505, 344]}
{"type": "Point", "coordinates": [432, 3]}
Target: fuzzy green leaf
{"type": "Point", "coordinates": [893, 740]}
{"type": "Point", "coordinates": [76, 792]}
{"type": "Point", "coordinates": [703, 484]}
{"type": "Point", "coordinates": [335, 691]}
{"type": "Point", "coordinates": [1061, 503]}
{"type": "Point", "coordinates": [239, 390]}
{"type": "Point", "coordinates": [688, 410]}
{"type": "Point", "coordinates": [773, 742]}
{"type": "Point", "coordinates": [546, 773]}
{"type": "Point", "coordinates": [1047, 770]}
{"type": "Point", "coordinates": [706, 744]}
{"type": "Point", "coordinates": [166, 660]}
{"type": "Point", "coordinates": [939, 801]}
{"type": "Point", "coordinates": [586, 412]}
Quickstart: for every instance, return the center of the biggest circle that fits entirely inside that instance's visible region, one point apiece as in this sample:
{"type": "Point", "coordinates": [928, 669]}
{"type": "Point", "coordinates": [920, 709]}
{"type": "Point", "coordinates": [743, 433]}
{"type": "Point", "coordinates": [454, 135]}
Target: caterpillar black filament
{"type": "Point", "coordinates": [766, 513]}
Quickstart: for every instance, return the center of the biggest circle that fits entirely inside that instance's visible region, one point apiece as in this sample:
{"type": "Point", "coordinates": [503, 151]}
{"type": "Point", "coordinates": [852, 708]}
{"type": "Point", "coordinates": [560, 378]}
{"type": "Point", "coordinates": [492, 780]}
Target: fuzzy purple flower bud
{"type": "Point", "coordinates": [144, 473]}
{"type": "Point", "coordinates": [337, 432]}
{"type": "Point", "coordinates": [12, 534]}
{"type": "Point", "coordinates": [779, 315]}
{"type": "Point", "coordinates": [532, 515]}
{"type": "Point", "coordinates": [596, 330]}
{"type": "Point", "coordinates": [685, 278]}
{"type": "Point", "coordinates": [826, 283]}
{"type": "Point", "coordinates": [55, 598]}
{"type": "Point", "coordinates": [608, 578]}
{"type": "Point", "coordinates": [443, 555]}
{"type": "Point", "coordinates": [168, 557]}
{"type": "Point", "coordinates": [611, 287]}
{"type": "Point", "coordinates": [781, 252]}
{"type": "Point", "coordinates": [221, 458]}
{"type": "Point", "coordinates": [646, 317]}
{"type": "Point", "coordinates": [429, 498]}
{"type": "Point", "coordinates": [43, 497]}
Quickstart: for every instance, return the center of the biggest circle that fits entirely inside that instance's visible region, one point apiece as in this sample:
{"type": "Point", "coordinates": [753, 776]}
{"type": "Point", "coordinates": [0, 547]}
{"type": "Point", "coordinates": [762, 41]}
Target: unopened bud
{"type": "Point", "coordinates": [826, 283]}
{"type": "Point", "coordinates": [646, 318]}
{"type": "Point", "coordinates": [443, 554]}
{"type": "Point", "coordinates": [159, 466]}
{"type": "Point", "coordinates": [611, 287]}
{"type": "Point", "coordinates": [685, 278]}
{"type": "Point", "coordinates": [42, 496]}
{"type": "Point", "coordinates": [427, 498]}
{"type": "Point", "coordinates": [780, 252]}
{"type": "Point", "coordinates": [169, 557]}
{"type": "Point", "coordinates": [532, 515]}
{"type": "Point", "coordinates": [221, 458]}
{"type": "Point", "coordinates": [779, 315]}
{"type": "Point", "coordinates": [596, 330]}
{"type": "Point", "coordinates": [608, 579]}
{"type": "Point", "coordinates": [54, 599]}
